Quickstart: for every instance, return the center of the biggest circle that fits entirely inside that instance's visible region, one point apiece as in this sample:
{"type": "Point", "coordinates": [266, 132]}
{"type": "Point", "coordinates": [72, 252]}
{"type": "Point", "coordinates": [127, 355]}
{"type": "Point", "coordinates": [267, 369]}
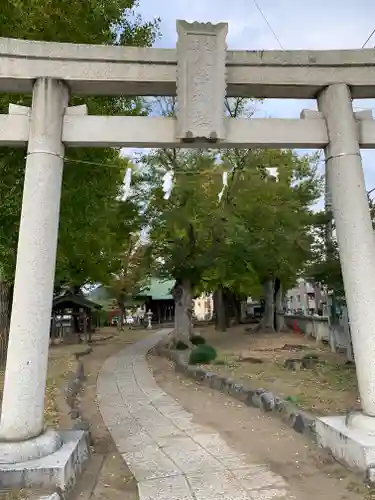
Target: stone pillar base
{"type": "Point", "coordinates": [22, 451]}
{"type": "Point", "coordinates": [58, 469]}
{"type": "Point", "coordinates": [353, 447]}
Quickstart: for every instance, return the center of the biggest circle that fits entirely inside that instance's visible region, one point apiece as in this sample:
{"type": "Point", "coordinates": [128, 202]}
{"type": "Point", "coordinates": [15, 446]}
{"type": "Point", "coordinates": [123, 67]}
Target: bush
{"type": "Point", "coordinates": [202, 354]}
{"type": "Point", "coordinates": [197, 340]}
{"type": "Point", "coordinates": [181, 346]}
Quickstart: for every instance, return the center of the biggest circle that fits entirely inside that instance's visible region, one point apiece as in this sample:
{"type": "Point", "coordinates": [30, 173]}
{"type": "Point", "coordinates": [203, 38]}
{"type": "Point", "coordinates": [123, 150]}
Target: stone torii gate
{"type": "Point", "coordinates": [200, 72]}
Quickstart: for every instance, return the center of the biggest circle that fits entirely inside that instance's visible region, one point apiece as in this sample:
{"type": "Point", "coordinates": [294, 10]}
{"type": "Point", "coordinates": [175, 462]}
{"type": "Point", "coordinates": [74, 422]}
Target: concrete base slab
{"type": "Point", "coordinates": [353, 447]}
{"type": "Point", "coordinates": [59, 469]}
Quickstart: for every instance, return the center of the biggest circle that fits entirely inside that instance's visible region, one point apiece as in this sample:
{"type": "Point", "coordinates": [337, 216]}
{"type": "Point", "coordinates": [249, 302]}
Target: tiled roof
{"type": "Point", "coordinates": [158, 289]}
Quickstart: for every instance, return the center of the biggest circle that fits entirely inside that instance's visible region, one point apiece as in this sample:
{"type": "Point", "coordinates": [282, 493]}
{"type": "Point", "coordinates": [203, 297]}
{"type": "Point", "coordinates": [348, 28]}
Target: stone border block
{"type": "Point", "coordinates": [190, 371]}
{"type": "Point", "coordinates": [299, 420]}
{"type": "Point", "coordinates": [181, 368]}
{"type": "Point", "coordinates": [200, 374]}
{"type": "Point", "coordinates": [52, 496]}
{"type": "Point", "coordinates": [217, 383]}
{"type": "Point", "coordinates": [227, 385]}
{"type": "Point", "coordinates": [209, 376]}
{"type": "Point", "coordinates": [238, 392]}
{"type": "Point", "coordinates": [75, 385]}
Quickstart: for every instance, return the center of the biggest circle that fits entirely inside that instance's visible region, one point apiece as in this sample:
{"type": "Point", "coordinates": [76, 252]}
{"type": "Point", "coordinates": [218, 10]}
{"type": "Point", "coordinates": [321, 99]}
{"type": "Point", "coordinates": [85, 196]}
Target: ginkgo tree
{"type": "Point", "coordinates": [93, 179]}
{"type": "Point", "coordinates": [178, 226]}
{"type": "Point", "coordinates": [263, 223]}
{"type": "Point", "coordinates": [277, 215]}
{"type": "Point", "coordinates": [228, 227]}
{"type": "Point", "coordinates": [133, 266]}
{"type": "Point", "coordinates": [262, 227]}
{"type": "Point", "coordinates": [325, 267]}
{"type": "Point", "coordinates": [258, 233]}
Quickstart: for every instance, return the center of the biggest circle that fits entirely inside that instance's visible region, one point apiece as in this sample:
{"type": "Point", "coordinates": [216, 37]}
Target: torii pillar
{"type": "Point", "coordinates": [352, 439]}
{"type": "Point", "coordinates": [26, 368]}
{"type": "Point", "coordinates": [29, 454]}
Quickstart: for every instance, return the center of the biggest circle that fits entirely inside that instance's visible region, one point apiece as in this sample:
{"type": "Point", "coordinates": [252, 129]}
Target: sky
{"type": "Point", "coordinates": [298, 24]}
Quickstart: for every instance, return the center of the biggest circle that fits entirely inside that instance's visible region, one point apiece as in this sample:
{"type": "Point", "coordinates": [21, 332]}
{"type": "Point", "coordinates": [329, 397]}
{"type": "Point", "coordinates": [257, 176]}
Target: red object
{"type": "Point", "coordinates": [113, 313]}
{"type": "Point", "coordinates": [296, 328]}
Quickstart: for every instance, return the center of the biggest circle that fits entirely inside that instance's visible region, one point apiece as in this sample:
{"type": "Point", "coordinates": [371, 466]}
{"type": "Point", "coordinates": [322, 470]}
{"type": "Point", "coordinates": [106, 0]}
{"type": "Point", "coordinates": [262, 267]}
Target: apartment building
{"type": "Point", "coordinates": [203, 307]}
{"type": "Point", "coordinates": [305, 298]}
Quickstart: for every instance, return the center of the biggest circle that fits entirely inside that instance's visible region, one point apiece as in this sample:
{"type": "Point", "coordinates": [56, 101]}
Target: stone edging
{"type": "Point", "coordinates": [300, 421]}
{"type": "Point", "coordinates": [53, 496]}
{"type": "Point", "coordinates": [75, 385]}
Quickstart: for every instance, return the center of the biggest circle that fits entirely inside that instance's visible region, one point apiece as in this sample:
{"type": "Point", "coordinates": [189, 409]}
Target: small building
{"type": "Point", "coordinates": [73, 315]}
{"type": "Point", "coordinates": [104, 296]}
{"type": "Point", "coordinates": [157, 297]}
{"type": "Point", "coordinates": [203, 307]}
{"type": "Point", "coordinates": [254, 308]}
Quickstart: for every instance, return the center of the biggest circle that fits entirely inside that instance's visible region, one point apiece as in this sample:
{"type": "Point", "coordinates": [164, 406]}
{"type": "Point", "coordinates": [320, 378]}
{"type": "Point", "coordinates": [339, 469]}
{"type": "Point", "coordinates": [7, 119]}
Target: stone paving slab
{"type": "Point", "coordinates": [169, 455]}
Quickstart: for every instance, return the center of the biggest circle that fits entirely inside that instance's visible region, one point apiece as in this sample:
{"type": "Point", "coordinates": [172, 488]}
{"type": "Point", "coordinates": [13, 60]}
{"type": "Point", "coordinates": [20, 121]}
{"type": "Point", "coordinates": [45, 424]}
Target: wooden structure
{"type": "Point", "coordinates": [73, 316]}
{"type": "Point", "coordinates": [158, 298]}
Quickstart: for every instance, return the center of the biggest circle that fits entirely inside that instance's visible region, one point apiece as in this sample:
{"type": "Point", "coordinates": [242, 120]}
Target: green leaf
{"type": "Point", "coordinates": [94, 223]}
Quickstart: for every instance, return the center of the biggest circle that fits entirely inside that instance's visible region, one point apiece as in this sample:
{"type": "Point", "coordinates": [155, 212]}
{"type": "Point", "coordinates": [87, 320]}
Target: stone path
{"type": "Point", "coordinates": [170, 456]}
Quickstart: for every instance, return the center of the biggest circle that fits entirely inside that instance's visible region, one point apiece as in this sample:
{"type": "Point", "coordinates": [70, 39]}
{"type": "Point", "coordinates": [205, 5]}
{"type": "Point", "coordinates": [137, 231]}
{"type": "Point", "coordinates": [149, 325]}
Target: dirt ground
{"type": "Point", "coordinates": [61, 363]}
{"type": "Point", "coordinates": [311, 474]}
{"type": "Point", "coordinates": [106, 476]}
{"type": "Point", "coordinates": [257, 360]}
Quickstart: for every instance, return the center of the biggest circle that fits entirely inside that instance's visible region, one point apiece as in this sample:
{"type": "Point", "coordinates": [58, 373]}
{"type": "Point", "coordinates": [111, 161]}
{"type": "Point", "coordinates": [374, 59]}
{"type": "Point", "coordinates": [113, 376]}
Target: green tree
{"type": "Point", "coordinates": [325, 267]}
{"type": "Point", "coordinates": [255, 209]}
{"type": "Point", "coordinates": [257, 235]}
{"type": "Point", "coordinates": [94, 222]}
{"type": "Point", "coordinates": [191, 236]}
{"type": "Point", "coordinates": [133, 268]}
{"type": "Point", "coordinates": [262, 227]}
{"type": "Point", "coordinates": [178, 228]}
{"type": "Point", "coordinates": [90, 192]}
{"type": "Point", "coordinates": [278, 219]}
{"type": "Point", "coordinates": [231, 278]}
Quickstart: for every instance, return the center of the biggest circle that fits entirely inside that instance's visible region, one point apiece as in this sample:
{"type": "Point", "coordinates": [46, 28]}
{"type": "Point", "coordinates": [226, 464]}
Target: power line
{"type": "Point", "coordinates": [368, 39]}
{"type": "Point", "coordinates": [122, 167]}
{"type": "Point", "coordinates": [269, 25]}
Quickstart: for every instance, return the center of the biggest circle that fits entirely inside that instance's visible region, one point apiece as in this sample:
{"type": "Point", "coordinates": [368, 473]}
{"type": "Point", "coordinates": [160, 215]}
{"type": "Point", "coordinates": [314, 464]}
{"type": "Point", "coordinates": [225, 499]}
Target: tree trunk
{"type": "Point", "coordinates": [243, 309]}
{"type": "Point", "coordinates": [221, 317]}
{"type": "Point", "coordinates": [214, 312]}
{"type": "Point", "coordinates": [318, 298]}
{"type": "Point", "coordinates": [120, 322]}
{"type": "Point", "coordinates": [279, 310]}
{"type": "Point", "coordinates": [267, 322]}
{"type": "Point", "coordinates": [228, 306]}
{"type": "Point", "coordinates": [183, 300]}
{"type": "Point", "coordinates": [6, 293]}
{"type": "Point", "coordinates": [237, 310]}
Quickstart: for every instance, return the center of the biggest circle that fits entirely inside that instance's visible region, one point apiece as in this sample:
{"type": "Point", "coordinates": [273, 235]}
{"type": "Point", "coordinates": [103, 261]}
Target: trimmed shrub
{"type": "Point", "coordinates": [202, 354]}
{"type": "Point", "coordinates": [197, 340]}
{"type": "Point", "coordinates": [181, 346]}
